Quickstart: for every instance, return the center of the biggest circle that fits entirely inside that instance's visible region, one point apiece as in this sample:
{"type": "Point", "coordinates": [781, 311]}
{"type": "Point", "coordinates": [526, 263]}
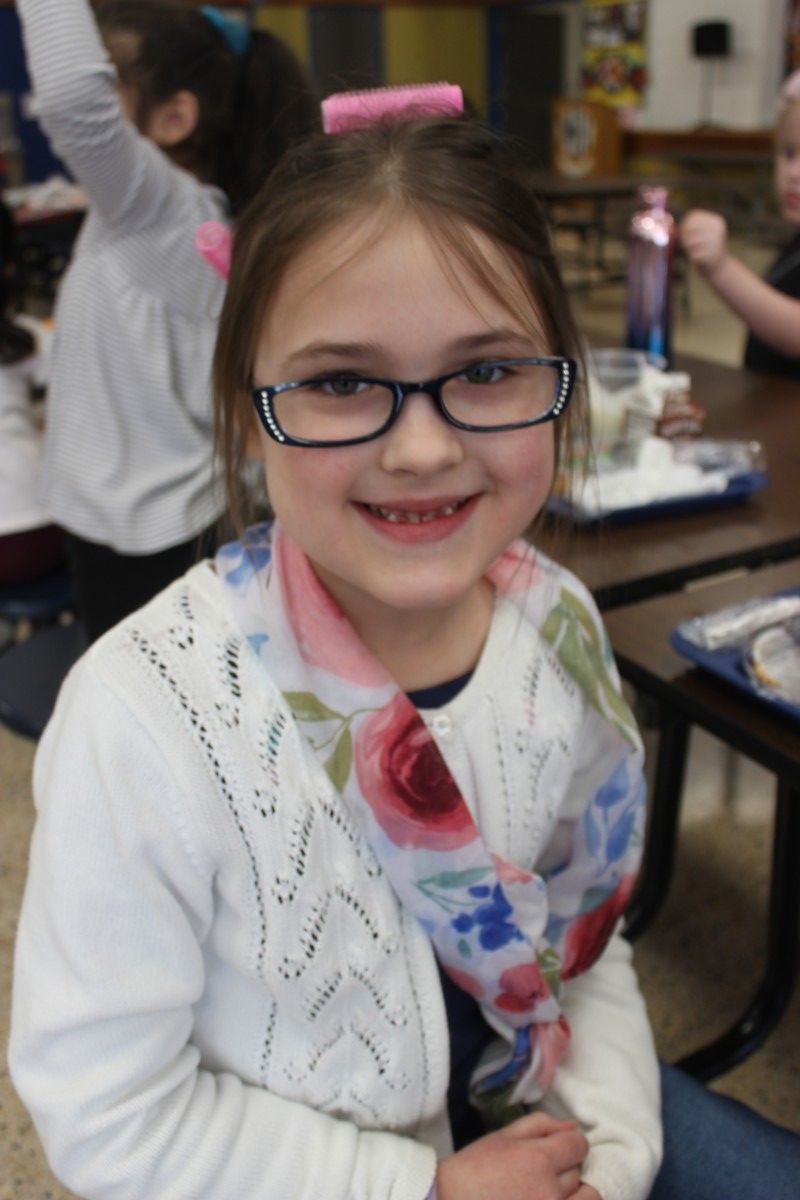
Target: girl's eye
{"type": "Point", "coordinates": [485, 372]}
{"type": "Point", "coordinates": [344, 386]}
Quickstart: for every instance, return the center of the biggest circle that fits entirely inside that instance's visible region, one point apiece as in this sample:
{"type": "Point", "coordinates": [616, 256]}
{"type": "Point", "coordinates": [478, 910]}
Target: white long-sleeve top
{"type": "Point", "coordinates": [216, 992]}
{"type": "Point", "coordinates": [129, 460]}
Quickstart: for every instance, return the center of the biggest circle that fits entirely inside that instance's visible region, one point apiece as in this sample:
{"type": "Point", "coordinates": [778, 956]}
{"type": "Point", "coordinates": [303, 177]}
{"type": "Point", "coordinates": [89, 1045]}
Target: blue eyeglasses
{"type": "Point", "coordinates": [345, 408]}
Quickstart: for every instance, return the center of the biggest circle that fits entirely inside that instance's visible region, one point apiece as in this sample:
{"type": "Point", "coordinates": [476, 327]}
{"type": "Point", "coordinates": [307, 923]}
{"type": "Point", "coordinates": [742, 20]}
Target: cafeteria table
{"type": "Point", "coordinates": [622, 562]}
{"type": "Point", "coordinates": [687, 695]}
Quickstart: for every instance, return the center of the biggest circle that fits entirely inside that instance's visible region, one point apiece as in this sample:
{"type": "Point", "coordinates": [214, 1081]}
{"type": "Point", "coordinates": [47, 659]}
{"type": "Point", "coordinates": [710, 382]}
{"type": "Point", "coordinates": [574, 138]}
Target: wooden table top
{"type": "Point", "coordinates": [639, 634]}
{"type": "Point", "coordinates": [623, 563]}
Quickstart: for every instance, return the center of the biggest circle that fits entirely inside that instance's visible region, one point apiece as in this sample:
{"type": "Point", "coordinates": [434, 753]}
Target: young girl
{"type": "Point", "coordinates": [30, 545]}
{"type": "Point", "coordinates": [335, 833]}
{"type": "Point", "coordinates": [173, 118]}
{"type": "Point", "coordinates": [770, 307]}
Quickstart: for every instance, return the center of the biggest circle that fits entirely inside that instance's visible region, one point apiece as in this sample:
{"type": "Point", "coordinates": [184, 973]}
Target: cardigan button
{"type": "Point", "coordinates": [442, 724]}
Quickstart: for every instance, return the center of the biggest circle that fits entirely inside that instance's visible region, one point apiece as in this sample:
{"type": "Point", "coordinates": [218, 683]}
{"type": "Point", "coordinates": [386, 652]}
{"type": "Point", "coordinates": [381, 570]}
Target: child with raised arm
{"type": "Point", "coordinates": [167, 116]}
{"type": "Point", "coordinates": [335, 834]}
{"type": "Point", "coordinates": [770, 307]}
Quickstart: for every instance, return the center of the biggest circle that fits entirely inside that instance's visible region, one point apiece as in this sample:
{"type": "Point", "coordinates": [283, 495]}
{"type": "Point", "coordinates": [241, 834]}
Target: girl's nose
{"type": "Point", "coordinates": [421, 442]}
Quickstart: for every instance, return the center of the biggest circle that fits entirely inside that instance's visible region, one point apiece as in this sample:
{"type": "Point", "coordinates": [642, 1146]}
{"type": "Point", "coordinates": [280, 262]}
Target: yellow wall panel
{"type": "Point", "coordinates": [289, 22]}
{"type": "Point", "coordinates": [428, 44]}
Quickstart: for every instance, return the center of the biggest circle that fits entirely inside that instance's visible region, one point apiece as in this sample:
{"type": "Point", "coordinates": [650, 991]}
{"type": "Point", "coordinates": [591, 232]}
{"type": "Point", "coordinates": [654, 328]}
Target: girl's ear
{"type": "Point", "coordinates": [174, 120]}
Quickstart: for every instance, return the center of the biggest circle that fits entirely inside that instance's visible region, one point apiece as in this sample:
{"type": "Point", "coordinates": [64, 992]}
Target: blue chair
{"type": "Point", "coordinates": [31, 673]}
{"type": "Point", "coordinates": [39, 602]}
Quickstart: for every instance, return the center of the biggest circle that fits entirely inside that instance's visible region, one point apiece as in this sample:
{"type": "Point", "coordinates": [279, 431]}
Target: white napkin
{"type": "Point", "coordinates": [655, 476]}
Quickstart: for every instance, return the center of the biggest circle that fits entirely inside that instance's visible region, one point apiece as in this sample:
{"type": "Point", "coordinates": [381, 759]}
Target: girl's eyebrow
{"type": "Point", "coordinates": [361, 350]}
{"type": "Point", "coordinates": [315, 350]}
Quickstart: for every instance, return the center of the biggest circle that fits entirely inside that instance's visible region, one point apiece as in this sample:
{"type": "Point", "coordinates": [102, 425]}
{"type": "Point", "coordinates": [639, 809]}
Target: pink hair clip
{"type": "Point", "coordinates": [356, 110]}
{"type": "Point", "coordinates": [214, 241]}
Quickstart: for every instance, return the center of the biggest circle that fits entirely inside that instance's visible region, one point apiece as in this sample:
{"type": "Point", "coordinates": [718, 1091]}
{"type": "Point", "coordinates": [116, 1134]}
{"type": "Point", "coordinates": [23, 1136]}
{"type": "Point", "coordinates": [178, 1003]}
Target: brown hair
{"type": "Point", "coordinates": [451, 174]}
{"type": "Point", "coordinates": [251, 105]}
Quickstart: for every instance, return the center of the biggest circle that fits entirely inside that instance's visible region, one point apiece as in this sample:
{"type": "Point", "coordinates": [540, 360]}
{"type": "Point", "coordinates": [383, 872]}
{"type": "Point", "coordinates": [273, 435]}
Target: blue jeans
{"type": "Point", "coordinates": [718, 1149]}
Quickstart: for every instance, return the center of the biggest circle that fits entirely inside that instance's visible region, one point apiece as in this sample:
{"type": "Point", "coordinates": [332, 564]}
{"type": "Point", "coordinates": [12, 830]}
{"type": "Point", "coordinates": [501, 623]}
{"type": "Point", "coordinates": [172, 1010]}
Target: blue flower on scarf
{"type": "Point", "coordinates": [494, 930]}
{"type": "Point", "coordinates": [249, 558]}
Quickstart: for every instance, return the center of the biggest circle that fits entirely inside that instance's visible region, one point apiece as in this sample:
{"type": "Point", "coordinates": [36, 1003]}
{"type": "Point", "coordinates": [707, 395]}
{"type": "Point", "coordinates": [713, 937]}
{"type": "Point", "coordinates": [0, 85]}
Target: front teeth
{"type": "Point", "coordinates": [415, 518]}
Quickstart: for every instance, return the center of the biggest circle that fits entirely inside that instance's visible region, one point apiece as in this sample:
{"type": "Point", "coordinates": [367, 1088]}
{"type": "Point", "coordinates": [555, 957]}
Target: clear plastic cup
{"type": "Point", "coordinates": [618, 368]}
{"type": "Point", "coordinates": [616, 381]}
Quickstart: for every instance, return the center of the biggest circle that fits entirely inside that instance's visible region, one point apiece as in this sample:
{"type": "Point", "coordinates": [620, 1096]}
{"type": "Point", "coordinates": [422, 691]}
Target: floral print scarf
{"type": "Point", "coordinates": [489, 920]}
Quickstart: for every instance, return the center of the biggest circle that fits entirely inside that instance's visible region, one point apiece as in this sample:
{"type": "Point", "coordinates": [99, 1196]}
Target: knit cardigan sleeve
{"type": "Point", "coordinates": [108, 966]}
{"type": "Point", "coordinates": [75, 86]}
{"type": "Point", "coordinates": [609, 1081]}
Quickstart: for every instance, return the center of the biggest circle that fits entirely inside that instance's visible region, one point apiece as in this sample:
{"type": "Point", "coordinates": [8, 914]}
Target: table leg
{"type": "Point", "coordinates": [783, 951]}
{"type": "Point", "coordinates": [662, 825]}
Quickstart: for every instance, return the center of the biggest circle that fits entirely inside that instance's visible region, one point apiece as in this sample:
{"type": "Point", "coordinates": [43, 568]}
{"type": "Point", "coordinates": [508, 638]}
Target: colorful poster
{"type": "Point", "coordinates": [613, 55]}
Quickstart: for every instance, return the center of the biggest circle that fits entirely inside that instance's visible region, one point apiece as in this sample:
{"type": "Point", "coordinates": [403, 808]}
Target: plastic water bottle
{"type": "Point", "coordinates": [651, 247]}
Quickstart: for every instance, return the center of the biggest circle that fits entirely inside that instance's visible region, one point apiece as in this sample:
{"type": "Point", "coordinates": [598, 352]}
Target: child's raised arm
{"type": "Point", "coordinates": [770, 314]}
{"type": "Point", "coordinates": [74, 84]}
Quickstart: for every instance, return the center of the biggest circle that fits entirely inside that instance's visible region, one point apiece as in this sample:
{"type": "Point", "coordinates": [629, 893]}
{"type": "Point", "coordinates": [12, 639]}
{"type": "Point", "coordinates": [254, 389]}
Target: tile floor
{"type": "Point", "coordinates": [695, 962]}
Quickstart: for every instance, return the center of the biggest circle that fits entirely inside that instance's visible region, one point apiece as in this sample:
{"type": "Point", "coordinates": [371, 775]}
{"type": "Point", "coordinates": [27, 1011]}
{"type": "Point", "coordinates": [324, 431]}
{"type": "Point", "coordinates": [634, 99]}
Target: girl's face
{"type": "Point", "coordinates": [386, 307]}
{"type": "Point", "coordinates": [787, 163]}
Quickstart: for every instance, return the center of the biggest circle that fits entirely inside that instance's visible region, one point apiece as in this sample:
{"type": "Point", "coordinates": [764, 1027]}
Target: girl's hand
{"type": "Point", "coordinates": [533, 1158]}
{"type": "Point", "coordinates": [704, 236]}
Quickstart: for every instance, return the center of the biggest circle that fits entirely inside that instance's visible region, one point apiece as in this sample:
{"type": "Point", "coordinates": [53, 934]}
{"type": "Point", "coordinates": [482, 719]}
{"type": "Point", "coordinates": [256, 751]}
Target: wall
{"type": "Point", "coordinates": [394, 43]}
{"type": "Point", "coordinates": [745, 84]}
{"type": "Point", "coordinates": [453, 43]}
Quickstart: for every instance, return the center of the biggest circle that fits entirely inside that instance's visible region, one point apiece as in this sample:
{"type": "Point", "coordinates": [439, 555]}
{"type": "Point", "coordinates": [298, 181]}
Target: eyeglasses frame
{"type": "Point", "coordinates": [264, 396]}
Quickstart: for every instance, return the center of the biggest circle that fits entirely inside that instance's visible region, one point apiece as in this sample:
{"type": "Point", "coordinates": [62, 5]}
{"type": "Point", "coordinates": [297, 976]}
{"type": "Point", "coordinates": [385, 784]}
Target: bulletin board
{"type": "Point", "coordinates": [613, 54]}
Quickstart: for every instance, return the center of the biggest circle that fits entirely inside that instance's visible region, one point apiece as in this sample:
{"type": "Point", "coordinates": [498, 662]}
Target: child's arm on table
{"type": "Point", "coordinates": [771, 315]}
{"type": "Point", "coordinates": [109, 966]}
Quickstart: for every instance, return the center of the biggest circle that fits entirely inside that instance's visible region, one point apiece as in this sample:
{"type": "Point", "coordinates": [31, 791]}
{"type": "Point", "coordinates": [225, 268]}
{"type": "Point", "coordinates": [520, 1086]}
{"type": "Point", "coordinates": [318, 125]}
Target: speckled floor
{"type": "Point", "coordinates": [696, 962]}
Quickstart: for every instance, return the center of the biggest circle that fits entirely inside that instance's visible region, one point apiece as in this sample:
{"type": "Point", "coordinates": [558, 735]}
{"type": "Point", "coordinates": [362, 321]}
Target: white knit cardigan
{"type": "Point", "coordinates": [216, 994]}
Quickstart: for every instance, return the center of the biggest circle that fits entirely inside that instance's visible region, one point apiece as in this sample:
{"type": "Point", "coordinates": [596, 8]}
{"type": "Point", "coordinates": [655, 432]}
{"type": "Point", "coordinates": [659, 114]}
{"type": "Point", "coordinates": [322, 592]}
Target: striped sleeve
{"type": "Point", "coordinates": [75, 89]}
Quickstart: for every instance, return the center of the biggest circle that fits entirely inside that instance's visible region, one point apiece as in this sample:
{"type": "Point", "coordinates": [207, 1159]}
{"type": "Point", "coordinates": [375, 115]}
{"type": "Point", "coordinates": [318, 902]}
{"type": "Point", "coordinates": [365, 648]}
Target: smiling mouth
{"type": "Point", "coordinates": [399, 516]}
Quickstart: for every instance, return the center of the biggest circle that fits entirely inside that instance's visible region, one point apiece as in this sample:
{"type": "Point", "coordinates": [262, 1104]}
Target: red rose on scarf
{"type": "Point", "coordinates": [589, 933]}
{"type": "Point", "coordinates": [406, 782]}
{"type": "Point", "coordinates": [523, 987]}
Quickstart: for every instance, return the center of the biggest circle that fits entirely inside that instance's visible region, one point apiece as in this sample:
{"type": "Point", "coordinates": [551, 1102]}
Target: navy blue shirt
{"type": "Point", "coordinates": [784, 275]}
